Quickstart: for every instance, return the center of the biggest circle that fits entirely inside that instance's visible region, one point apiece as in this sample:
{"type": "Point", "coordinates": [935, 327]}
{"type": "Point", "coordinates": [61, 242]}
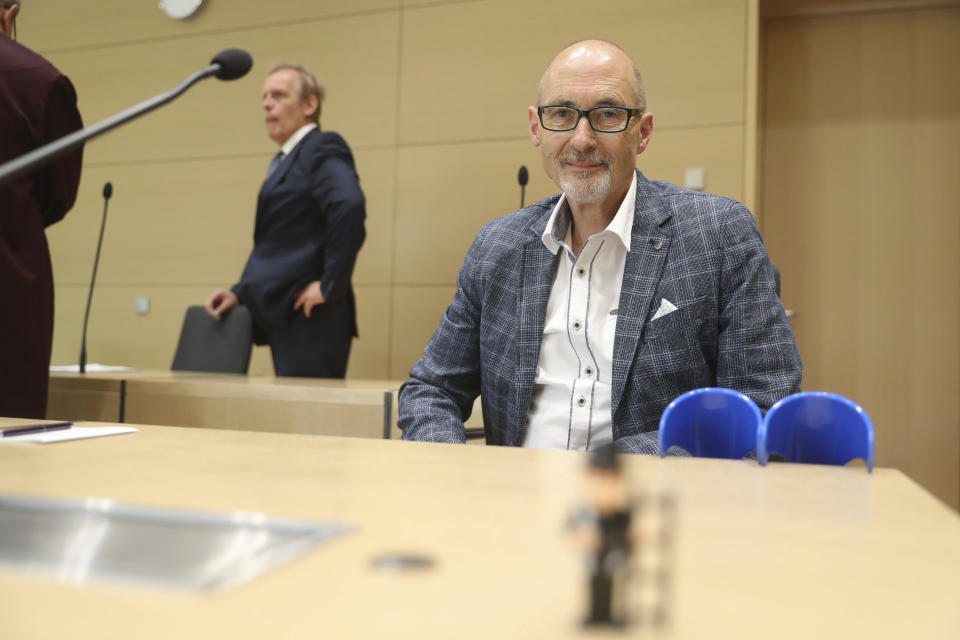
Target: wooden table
{"type": "Point", "coordinates": [364, 408]}
{"type": "Point", "coordinates": [784, 551]}
{"type": "Point", "coordinates": [353, 407]}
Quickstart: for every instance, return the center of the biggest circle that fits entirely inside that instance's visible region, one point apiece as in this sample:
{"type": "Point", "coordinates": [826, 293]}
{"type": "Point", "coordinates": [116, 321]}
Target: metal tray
{"type": "Point", "coordinates": [80, 541]}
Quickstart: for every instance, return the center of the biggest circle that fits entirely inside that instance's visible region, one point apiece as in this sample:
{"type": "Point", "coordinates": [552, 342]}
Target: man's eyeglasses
{"type": "Point", "coordinates": [601, 119]}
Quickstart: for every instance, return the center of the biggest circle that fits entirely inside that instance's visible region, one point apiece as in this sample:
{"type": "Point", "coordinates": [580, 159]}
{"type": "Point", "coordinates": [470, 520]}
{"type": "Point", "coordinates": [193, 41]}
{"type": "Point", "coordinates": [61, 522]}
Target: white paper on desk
{"type": "Point", "coordinates": [73, 433]}
{"type": "Point", "coordinates": [93, 367]}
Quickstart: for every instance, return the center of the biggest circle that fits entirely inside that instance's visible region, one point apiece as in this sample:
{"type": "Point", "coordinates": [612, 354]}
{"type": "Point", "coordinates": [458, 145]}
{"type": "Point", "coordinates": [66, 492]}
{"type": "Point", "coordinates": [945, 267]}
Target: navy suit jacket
{"type": "Point", "coordinates": [701, 252]}
{"type": "Point", "coordinates": [310, 226]}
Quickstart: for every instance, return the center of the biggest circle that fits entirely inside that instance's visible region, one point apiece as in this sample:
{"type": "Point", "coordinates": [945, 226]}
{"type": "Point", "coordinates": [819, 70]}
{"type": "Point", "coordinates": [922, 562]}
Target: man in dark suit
{"type": "Point", "coordinates": [579, 318]}
{"type": "Point", "coordinates": [37, 105]}
{"type": "Point", "coordinates": [309, 228]}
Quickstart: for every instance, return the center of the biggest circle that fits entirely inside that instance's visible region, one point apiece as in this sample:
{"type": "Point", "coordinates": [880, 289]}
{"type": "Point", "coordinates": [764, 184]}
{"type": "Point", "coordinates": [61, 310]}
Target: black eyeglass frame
{"type": "Point", "coordinates": [581, 113]}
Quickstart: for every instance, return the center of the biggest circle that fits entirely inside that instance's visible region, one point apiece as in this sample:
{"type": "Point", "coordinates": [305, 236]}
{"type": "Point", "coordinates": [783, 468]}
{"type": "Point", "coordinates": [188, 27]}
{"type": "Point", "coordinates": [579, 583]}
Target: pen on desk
{"type": "Point", "coordinates": [36, 428]}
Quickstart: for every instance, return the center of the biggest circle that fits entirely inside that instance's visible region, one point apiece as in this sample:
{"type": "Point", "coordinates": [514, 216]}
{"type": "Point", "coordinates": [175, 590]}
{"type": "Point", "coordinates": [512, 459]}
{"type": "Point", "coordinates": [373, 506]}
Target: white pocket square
{"type": "Point", "coordinates": [665, 307]}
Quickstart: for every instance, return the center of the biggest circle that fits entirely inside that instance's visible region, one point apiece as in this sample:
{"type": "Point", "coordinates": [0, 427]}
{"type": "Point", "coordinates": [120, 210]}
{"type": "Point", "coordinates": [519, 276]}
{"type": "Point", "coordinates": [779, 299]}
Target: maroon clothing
{"type": "Point", "coordinates": [37, 105]}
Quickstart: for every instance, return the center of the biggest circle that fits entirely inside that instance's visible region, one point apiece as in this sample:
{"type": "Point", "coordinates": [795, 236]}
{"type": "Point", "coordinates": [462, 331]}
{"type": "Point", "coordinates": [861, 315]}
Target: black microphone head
{"type": "Point", "coordinates": [234, 63]}
{"type": "Point", "coordinates": [523, 177]}
{"type": "Point", "coordinates": [107, 190]}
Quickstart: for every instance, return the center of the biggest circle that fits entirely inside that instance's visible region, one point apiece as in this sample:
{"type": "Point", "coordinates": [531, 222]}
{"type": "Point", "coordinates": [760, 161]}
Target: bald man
{"type": "Point", "coordinates": [579, 318]}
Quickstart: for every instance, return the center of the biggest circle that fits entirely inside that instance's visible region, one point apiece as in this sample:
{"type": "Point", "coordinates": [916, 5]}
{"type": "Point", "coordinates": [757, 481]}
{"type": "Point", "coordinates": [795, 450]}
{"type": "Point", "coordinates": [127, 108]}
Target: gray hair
{"type": "Point", "coordinates": [308, 84]}
{"type": "Point", "coordinates": [638, 90]}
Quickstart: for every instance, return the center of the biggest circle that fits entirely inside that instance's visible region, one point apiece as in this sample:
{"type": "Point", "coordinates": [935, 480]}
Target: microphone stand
{"type": "Point", "coordinates": [28, 161]}
{"type": "Point", "coordinates": [107, 192]}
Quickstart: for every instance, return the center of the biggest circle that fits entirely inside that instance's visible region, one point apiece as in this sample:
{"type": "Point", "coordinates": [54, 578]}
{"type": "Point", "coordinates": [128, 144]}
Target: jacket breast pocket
{"type": "Point", "coordinates": [686, 335]}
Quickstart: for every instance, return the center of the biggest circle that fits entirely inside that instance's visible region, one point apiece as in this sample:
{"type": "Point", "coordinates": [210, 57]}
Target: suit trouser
{"type": "Point", "coordinates": [315, 347]}
{"type": "Point", "coordinates": [26, 337]}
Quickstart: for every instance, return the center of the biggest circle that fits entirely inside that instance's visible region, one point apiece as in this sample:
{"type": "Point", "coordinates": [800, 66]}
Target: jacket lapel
{"type": "Point", "coordinates": [536, 279]}
{"type": "Point", "coordinates": [649, 246]}
{"type": "Point", "coordinates": [278, 175]}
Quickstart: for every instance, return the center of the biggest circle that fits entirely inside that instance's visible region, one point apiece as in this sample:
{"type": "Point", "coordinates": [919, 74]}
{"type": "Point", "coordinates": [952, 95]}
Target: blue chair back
{"type": "Point", "coordinates": [816, 427]}
{"type": "Point", "coordinates": [710, 423]}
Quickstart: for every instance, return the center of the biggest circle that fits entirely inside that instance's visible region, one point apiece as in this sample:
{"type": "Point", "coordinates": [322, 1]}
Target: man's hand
{"type": "Point", "coordinates": [310, 297]}
{"type": "Point", "coordinates": [220, 301]}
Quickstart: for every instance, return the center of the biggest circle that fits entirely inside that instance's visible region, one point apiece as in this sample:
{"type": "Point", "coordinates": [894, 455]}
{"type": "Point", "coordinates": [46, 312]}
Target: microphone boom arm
{"type": "Point", "coordinates": [28, 161]}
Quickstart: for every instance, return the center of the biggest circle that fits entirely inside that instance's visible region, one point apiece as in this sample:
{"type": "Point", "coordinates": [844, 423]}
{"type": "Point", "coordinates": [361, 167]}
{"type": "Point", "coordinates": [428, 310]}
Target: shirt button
{"type": "Point", "coordinates": [580, 272]}
{"type": "Point", "coordinates": [581, 401]}
{"type": "Point", "coordinates": [589, 370]}
{"type": "Point", "coordinates": [576, 325]}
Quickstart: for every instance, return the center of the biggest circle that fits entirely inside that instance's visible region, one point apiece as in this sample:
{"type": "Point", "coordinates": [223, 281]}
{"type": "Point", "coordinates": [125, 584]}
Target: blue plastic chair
{"type": "Point", "coordinates": [816, 427]}
{"type": "Point", "coordinates": [710, 423]}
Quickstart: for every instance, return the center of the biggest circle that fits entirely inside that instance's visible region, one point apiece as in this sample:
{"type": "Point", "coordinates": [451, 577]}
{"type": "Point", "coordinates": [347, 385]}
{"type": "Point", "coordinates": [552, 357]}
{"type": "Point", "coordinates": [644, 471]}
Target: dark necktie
{"type": "Point", "coordinates": [274, 163]}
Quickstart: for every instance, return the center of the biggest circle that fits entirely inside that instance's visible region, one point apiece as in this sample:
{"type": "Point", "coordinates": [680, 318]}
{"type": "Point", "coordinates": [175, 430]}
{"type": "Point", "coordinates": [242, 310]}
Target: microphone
{"type": "Point", "coordinates": [107, 192]}
{"type": "Point", "coordinates": [523, 177]}
{"type": "Point", "coordinates": [229, 64]}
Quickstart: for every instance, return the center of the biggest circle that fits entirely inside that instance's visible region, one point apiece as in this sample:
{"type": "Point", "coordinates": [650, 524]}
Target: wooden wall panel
{"type": "Point", "coordinates": [370, 353]}
{"type": "Point", "coordinates": [216, 118]}
{"type": "Point", "coordinates": [67, 24]}
{"type": "Point", "coordinates": [718, 150]}
{"type": "Point", "coordinates": [862, 149]}
{"type": "Point", "coordinates": [416, 313]}
{"type": "Point", "coordinates": [189, 222]}
{"type": "Point", "coordinates": [691, 54]}
{"type": "Point", "coordinates": [441, 205]}
{"type": "Point", "coordinates": [377, 171]}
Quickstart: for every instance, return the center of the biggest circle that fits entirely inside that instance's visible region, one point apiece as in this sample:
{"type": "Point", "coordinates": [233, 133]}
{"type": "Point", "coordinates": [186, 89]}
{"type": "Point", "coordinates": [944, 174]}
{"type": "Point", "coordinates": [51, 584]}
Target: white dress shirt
{"type": "Point", "coordinates": [296, 137]}
{"type": "Point", "coordinates": [571, 407]}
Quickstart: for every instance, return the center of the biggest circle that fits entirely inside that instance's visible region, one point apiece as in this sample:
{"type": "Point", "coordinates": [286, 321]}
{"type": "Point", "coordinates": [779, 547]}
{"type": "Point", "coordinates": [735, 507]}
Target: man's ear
{"type": "Point", "coordinates": [646, 130]}
{"type": "Point", "coordinates": [534, 126]}
{"type": "Point", "coordinates": [312, 105]}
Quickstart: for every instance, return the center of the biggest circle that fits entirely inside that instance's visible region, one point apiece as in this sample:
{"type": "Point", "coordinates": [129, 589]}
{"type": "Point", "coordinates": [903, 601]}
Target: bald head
{"type": "Point", "coordinates": [594, 163]}
{"type": "Point", "coordinates": [594, 57]}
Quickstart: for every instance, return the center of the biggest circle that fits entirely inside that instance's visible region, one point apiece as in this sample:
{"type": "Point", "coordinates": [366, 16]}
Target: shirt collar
{"type": "Point", "coordinates": [296, 137]}
{"type": "Point", "coordinates": [558, 226]}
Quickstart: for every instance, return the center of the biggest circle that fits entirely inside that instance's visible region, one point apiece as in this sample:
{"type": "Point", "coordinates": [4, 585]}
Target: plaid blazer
{"type": "Point", "coordinates": [701, 252]}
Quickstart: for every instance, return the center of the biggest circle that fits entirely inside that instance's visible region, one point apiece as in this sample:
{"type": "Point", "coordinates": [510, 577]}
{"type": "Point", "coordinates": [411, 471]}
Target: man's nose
{"type": "Point", "coordinates": [584, 137]}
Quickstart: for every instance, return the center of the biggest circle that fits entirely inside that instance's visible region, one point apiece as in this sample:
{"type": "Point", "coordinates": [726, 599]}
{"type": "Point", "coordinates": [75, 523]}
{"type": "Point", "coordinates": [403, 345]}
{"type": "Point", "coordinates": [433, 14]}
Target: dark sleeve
{"type": "Point", "coordinates": [57, 181]}
{"type": "Point", "coordinates": [438, 398]}
{"type": "Point", "coordinates": [336, 189]}
{"type": "Point", "coordinates": [756, 350]}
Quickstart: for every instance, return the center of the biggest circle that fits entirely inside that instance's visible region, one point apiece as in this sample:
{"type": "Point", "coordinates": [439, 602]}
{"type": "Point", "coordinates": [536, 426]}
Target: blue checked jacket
{"type": "Point", "coordinates": [701, 252]}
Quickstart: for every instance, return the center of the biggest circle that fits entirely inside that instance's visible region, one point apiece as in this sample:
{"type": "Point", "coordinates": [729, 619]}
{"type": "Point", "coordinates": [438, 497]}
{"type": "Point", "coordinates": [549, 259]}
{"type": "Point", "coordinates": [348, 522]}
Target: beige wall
{"type": "Point", "coordinates": [432, 97]}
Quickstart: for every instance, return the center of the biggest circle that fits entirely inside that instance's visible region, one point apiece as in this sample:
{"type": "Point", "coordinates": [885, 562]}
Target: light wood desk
{"type": "Point", "coordinates": [364, 408]}
{"type": "Point", "coordinates": [783, 551]}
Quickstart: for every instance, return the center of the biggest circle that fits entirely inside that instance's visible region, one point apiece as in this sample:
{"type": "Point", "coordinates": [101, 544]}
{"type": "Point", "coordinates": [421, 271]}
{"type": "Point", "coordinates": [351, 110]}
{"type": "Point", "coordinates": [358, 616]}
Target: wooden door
{"type": "Point", "coordinates": [860, 208]}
